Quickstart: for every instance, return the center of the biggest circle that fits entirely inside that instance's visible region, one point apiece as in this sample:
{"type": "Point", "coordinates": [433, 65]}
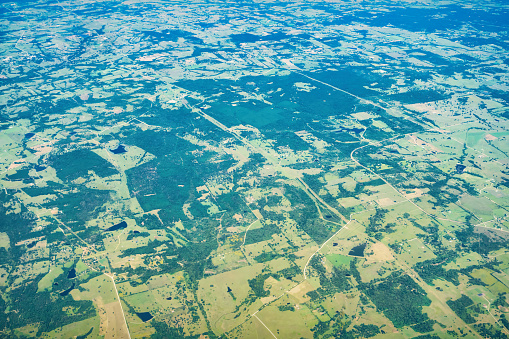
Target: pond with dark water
{"type": "Point", "coordinates": [144, 316]}
{"type": "Point", "coordinates": [460, 168]}
{"type": "Point", "coordinates": [119, 226]}
{"type": "Point", "coordinates": [119, 150]}
{"type": "Point", "coordinates": [71, 274]}
{"type": "Point", "coordinates": [358, 251]}
{"type": "Point", "coordinates": [67, 291]}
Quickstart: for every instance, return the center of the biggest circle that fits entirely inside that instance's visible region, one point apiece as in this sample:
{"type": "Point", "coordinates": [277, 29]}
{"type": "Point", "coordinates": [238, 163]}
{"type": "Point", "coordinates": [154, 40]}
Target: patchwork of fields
{"type": "Point", "coordinates": [254, 170]}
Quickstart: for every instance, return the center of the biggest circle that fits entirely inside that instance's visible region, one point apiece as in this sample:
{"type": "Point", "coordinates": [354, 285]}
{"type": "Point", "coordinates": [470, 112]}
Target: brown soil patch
{"type": "Point", "coordinates": [416, 141]}
{"type": "Point", "coordinates": [115, 324]}
{"type": "Point", "coordinates": [258, 214]}
{"type": "Point", "coordinates": [300, 291]}
{"type": "Point", "coordinates": [380, 252]}
{"type": "Point", "coordinates": [16, 164]}
{"type": "Point", "coordinates": [133, 261]}
{"type": "Point", "coordinates": [41, 244]}
{"type": "Point", "coordinates": [43, 149]}
{"type": "Point", "coordinates": [102, 315]}
{"type": "Point", "coordinates": [233, 229]}
{"type": "Point", "coordinates": [385, 202]}
{"type": "Point", "coordinates": [415, 194]}
{"type": "Point", "coordinates": [150, 57]}
{"type": "Point", "coordinates": [493, 234]}
{"type": "Point", "coordinates": [27, 241]}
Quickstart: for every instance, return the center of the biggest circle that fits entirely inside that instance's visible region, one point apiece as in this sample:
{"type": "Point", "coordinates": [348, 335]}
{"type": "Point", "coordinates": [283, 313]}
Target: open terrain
{"type": "Point", "coordinates": [254, 170]}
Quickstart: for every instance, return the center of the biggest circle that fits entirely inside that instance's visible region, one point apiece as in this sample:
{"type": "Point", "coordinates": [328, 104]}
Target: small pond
{"type": "Point", "coordinates": [67, 291]}
{"type": "Point", "coordinates": [39, 168]}
{"type": "Point", "coordinates": [119, 226]}
{"type": "Point", "coordinates": [71, 274]}
{"type": "Point", "coordinates": [144, 316]}
{"type": "Point", "coordinates": [358, 251]}
{"type": "Point", "coordinates": [119, 150]}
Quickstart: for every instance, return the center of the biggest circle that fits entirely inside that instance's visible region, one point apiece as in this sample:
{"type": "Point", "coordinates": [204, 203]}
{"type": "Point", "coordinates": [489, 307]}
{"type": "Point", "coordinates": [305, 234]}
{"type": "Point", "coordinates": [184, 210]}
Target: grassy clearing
{"type": "Point", "coordinates": [227, 260]}
{"type": "Point", "coordinates": [339, 260]}
{"type": "Point", "coordinates": [375, 270]}
{"type": "Point", "coordinates": [125, 289]}
{"type": "Point", "coordinates": [378, 252]}
{"type": "Point", "coordinates": [414, 251]}
{"type": "Point", "coordinates": [4, 240]}
{"type": "Point", "coordinates": [29, 271]}
{"type": "Point", "coordinates": [276, 288]}
{"type": "Point", "coordinates": [480, 206]}
{"type": "Point", "coordinates": [89, 326]}
{"type": "Point", "coordinates": [142, 302]}
{"type": "Point", "coordinates": [288, 324]}
{"type": "Point", "coordinates": [115, 325]}
{"type": "Point", "coordinates": [99, 286]}
{"type": "Point", "coordinates": [46, 282]}
{"type": "Point", "coordinates": [28, 330]}
{"type": "Point", "coordinates": [494, 285]}
{"type": "Point", "coordinates": [224, 294]}
{"type": "Point", "coordinates": [254, 250]}
{"type": "Point", "coordinates": [348, 302]}
{"type": "Point", "coordinates": [4, 274]}
{"type": "Point", "coordinates": [469, 259]}
{"type": "Point", "coordinates": [140, 329]}
{"type": "Point", "coordinates": [371, 316]}
{"type": "Point", "coordinates": [251, 329]}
